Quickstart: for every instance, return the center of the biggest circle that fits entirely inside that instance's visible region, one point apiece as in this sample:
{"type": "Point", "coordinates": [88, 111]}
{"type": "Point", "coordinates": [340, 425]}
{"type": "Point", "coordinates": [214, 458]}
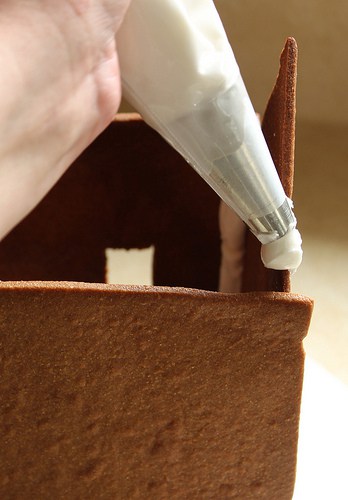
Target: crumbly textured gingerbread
{"type": "Point", "coordinates": [123, 392]}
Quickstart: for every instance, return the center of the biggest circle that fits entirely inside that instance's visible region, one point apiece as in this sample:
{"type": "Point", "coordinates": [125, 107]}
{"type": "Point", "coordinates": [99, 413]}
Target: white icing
{"type": "Point", "coordinates": [284, 253]}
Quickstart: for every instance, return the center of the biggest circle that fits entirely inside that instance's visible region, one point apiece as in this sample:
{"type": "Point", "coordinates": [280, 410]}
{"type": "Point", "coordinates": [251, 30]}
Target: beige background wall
{"type": "Point", "coordinates": [257, 29]}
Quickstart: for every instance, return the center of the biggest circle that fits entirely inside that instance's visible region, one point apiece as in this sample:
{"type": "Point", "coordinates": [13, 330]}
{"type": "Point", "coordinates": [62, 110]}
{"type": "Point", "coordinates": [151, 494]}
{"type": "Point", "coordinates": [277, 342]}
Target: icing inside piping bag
{"type": "Point", "coordinates": [179, 71]}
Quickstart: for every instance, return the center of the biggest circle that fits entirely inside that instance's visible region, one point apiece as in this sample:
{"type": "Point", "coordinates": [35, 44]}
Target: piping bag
{"type": "Point", "coordinates": [179, 72]}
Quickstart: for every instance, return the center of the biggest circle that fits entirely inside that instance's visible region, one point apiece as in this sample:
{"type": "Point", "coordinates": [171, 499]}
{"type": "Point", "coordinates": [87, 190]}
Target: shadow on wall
{"type": "Point", "coordinates": [257, 30]}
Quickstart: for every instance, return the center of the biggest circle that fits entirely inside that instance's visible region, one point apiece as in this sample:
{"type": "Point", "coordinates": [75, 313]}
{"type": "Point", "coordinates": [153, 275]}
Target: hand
{"type": "Point", "coordinates": [59, 88]}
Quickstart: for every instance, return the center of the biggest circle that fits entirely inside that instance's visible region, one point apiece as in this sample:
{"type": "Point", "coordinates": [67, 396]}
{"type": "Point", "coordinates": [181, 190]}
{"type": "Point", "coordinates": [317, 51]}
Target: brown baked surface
{"type": "Point", "coordinates": [144, 392]}
{"type": "Point", "coordinates": [278, 126]}
{"type": "Point", "coordinates": [125, 393]}
{"type": "Point", "coordinates": [129, 189]}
